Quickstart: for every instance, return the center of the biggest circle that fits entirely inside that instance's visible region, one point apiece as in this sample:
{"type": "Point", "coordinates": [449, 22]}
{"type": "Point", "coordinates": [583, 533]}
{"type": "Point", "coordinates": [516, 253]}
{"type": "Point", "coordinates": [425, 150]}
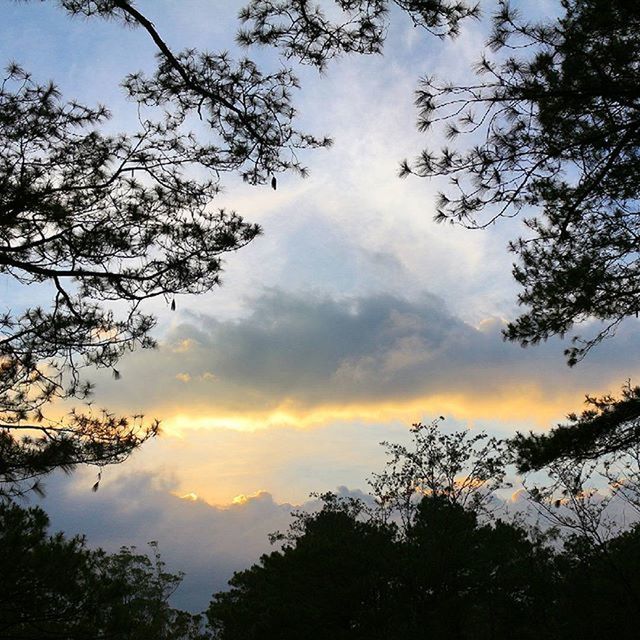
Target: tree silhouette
{"type": "Point", "coordinates": [55, 587]}
{"type": "Point", "coordinates": [442, 571]}
{"type": "Point", "coordinates": [598, 593]}
{"type": "Point", "coordinates": [461, 467]}
{"type": "Point", "coordinates": [610, 426]}
{"type": "Point", "coordinates": [304, 31]}
{"type": "Point", "coordinates": [333, 578]}
{"type": "Point", "coordinates": [106, 221]}
{"type": "Point", "coordinates": [344, 575]}
{"type": "Point", "coordinates": [553, 128]}
{"type": "Point", "coordinates": [463, 579]}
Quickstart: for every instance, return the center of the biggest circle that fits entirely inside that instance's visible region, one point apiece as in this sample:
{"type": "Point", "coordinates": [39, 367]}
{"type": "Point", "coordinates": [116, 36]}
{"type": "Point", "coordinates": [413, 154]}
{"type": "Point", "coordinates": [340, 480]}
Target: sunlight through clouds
{"type": "Point", "coordinates": [307, 361]}
{"type": "Point", "coordinates": [353, 315]}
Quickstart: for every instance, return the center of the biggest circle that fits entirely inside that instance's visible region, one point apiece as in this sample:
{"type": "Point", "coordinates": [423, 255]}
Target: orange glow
{"type": "Point", "coordinates": [518, 404]}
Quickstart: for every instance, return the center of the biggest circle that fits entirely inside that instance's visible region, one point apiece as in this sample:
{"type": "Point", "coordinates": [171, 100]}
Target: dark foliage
{"type": "Point", "coordinates": [448, 577]}
{"type": "Point", "coordinates": [553, 125]}
{"type": "Point", "coordinates": [611, 425]}
{"type": "Point", "coordinates": [441, 570]}
{"type": "Point", "coordinates": [463, 468]}
{"type": "Point", "coordinates": [348, 570]}
{"type": "Point", "coordinates": [330, 581]}
{"type": "Point", "coordinates": [598, 595]}
{"type": "Point", "coordinates": [468, 580]}
{"type": "Point", "coordinates": [55, 587]}
{"type": "Point", "coordinates": [304, 31]}
{"type": "Point", "coordinates": [342, 577]}
{"type": "Point", "coordinates": [103, 222]}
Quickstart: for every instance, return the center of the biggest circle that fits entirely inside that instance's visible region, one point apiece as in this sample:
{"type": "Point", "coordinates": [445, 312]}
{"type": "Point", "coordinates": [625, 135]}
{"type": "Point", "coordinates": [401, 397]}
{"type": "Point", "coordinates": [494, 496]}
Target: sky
{"type": "Point", "coordinates": [353, 316]}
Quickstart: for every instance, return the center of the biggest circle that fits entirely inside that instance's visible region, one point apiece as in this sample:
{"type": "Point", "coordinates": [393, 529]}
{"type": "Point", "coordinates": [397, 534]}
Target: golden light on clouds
{"type": "Point", "coordinates": [211, 499]}
{"type": "Point", "coordinates": [522, 405]}
{"type": "Point", "coordinates": [243, 499]}
{"type": "Point", "coordinates": [183, 346]}
{"type": "Point", "coordinates": [225, 456]}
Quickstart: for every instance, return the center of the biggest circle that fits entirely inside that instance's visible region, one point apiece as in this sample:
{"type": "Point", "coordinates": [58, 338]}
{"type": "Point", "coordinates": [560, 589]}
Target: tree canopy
{"type": "Point", "coordinates": [359, 567]}
{"type": "Point", "coordinates": [446, 568]}
{"type": "Point", "coordinates": [312, 34]}
{"type": "Point", "coordinates": [451, 576]}
{"type": "Point", "coordinates": [54, 586]}
{"type": "Point", "coordinates": [462, 468]}
{"type": "Point", "coordinates": [106, 221]}
{"type": "Point", "coordinates": [609, 426]}
{"type": "Point", "coordinates": [553, 128]}
{"type": "Point", "coordinates": [561, 138]}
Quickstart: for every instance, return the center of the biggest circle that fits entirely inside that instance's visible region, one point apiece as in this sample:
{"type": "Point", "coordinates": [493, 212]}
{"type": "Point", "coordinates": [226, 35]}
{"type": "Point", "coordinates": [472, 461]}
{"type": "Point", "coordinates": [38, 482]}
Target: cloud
{"type": "Point", "coordinates": [207, 542]}
{"type": "Point", "coordinates": [310, 359]}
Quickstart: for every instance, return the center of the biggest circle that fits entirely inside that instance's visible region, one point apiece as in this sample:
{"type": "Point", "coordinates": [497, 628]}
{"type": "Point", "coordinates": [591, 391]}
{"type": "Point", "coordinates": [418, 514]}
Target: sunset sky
{"type": "Point", "coordinates": [351, 317]}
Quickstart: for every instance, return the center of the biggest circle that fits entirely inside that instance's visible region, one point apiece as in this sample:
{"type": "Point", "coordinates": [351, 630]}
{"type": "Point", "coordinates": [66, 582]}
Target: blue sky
{"type": "Point", "coordinates": [353, 316]}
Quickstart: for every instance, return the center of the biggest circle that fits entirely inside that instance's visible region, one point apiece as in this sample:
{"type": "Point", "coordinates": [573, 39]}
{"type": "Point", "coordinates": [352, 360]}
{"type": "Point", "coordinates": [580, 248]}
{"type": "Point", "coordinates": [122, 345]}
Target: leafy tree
{"type": "Point", "coordinates": [591, 496]}
{"type": "Point", "coordinates": [332, 579]}
{"type": "Point", "coordinates": [55, 587]}
{"type": "Point", "coordinates": [349, 571]}
{"type": "Point", "coordinates": [590, 485]}
{"type": "Point", "coordinates": [461, 467]}
{"type": "Point", "coordinates": [609, 427]}
{"type": "Point", "coordinates": [104, 222]}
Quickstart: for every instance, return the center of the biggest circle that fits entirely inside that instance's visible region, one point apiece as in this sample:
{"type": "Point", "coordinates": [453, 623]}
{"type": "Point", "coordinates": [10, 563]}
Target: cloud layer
{"type": "Point", "coordinates": [207, 542]}
{"type": "Point", "coordinates": [311, 359]}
